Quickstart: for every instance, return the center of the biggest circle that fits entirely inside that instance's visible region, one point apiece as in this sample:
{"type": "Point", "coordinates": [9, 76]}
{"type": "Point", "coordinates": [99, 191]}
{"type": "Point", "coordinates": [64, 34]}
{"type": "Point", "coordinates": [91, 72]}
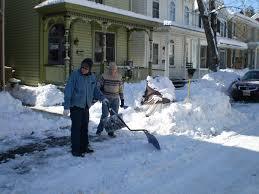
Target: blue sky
{"type": "Point", "coordinates": [237, 3]}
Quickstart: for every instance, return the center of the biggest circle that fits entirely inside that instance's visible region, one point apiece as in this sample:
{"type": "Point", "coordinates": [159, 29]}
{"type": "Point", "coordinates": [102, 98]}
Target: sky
{"type": "Point", "coordinates": [237, 3]}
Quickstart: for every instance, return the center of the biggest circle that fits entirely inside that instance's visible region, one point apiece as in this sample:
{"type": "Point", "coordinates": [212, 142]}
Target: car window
{"type": "Point", "coordinates": [251, 75]}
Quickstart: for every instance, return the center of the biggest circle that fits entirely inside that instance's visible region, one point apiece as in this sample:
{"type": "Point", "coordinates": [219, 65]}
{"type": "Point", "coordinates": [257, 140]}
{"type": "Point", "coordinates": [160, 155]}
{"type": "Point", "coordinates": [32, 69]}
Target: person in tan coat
{"type": "Point", "coordinates": [111, 85]}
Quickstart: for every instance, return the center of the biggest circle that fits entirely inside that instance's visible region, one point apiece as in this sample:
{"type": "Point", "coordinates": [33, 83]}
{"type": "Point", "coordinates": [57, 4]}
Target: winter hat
{"type": "Point", "coordinates": [87, 62]}
{"type": "Point", "coordinates": [113, 66]}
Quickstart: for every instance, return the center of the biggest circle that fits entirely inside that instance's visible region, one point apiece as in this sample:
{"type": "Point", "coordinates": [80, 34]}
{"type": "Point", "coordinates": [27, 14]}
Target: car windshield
{"type": "Point", "coordinates": [251, 75]}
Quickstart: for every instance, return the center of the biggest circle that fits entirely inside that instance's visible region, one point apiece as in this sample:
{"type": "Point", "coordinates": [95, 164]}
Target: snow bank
{"type": "Point", "coordinates": [162, 84]}
{"type": "Point", "coordinates": [9, 105]}
{"type": "Point", "coordinates": [133, 93]}
{"type": "Point", "coordinates": [48, 95]}
{"type": "Point", "coordinates": [222, 79]}
{"type": "Point", "coordinates": [17, 121]}
{"type": "Point", "coordinates": [208, 111]}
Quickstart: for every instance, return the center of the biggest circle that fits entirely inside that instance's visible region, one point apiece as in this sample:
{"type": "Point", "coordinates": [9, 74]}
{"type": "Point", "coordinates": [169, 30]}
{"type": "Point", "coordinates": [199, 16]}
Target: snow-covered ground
{"type": "Point", "coordinates": [207, 145]}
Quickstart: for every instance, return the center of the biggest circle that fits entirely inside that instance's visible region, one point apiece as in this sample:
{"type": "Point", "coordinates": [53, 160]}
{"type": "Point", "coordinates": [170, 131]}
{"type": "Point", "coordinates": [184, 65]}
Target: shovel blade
{"type": "Point", "coordinates": [152, 139]}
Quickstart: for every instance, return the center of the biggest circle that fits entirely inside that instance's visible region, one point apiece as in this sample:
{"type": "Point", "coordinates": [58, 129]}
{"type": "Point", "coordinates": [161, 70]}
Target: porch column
{"type": "Point", "coordinates": [167, 48]}
{"type": "Point", "coordinates": [150, 53]}
{"type": "Point", "coordinates": [67, 46]}
{"type": "Point", "coordinates": [104, 31]}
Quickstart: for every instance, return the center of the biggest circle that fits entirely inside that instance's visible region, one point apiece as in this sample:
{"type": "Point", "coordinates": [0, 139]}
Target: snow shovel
{"type": "Point", "coordinates": [151, 138]}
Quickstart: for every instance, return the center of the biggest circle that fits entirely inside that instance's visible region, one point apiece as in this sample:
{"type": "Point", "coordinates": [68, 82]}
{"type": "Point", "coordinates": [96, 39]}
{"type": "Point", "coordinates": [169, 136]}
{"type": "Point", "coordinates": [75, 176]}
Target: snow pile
{"type": "Point", "coordinates": [48, 95]}
{"type": "Point", "coordinates": [208, 111]}
{"type": "Point", "coordinates": [17, 121]}
{"type": "Point", "coordinates": [221, 79]}
{"type": "Point", "coordinates": [162, 85]}
{"type": "Point", "coordinates": [206, 114]}
{"type": "Point", "coordinates": [133, 93]}
{"type": "Point", "coordinates": [9, 105]}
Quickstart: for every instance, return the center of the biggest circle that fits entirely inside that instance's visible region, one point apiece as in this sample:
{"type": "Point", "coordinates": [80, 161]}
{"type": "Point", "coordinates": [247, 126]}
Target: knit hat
{"type": "Point", "coordinates": [87, 62]}
{"type": "Point", "coordinates": [113, 66]}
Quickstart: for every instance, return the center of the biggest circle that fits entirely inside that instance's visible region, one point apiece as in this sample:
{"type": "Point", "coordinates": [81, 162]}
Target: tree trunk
{"type": "Point", "coordinates": [210, 28]}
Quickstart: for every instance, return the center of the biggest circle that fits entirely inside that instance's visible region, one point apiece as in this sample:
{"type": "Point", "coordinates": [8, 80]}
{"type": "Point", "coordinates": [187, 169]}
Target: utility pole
{"type": "Point", "coordinates": [3, 44]}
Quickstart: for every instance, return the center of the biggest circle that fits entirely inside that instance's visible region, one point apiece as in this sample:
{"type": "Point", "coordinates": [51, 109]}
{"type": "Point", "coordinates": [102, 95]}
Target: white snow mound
{"type": "Point", "coordinates": [162, 84]}
{"type": "Point", "coordinates": [48, 95]}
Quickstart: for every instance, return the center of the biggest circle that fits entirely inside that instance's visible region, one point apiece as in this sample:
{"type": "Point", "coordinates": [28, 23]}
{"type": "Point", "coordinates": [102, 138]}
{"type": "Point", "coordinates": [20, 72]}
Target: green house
{"type": "Point", "coordinates": [46, 40]}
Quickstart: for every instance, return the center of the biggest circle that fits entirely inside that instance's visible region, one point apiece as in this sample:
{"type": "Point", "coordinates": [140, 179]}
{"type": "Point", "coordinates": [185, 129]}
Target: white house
{"type": "Point", "coordinates": [181, 43]}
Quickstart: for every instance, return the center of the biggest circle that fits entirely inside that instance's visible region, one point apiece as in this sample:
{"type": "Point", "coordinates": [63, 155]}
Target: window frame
{"type": "Point", "coordinates": [203, 57]}
{"type": "Point", "coordinates": [186, 15]}
{"type": "Point", "coordinates": [94, 48]}
{"type": "Point", "coordinates": [155, 55]}
{"type": "Point", "coordinates": [155, 10]}
{"type": "Point", "coordinates": [172, 11]}
{"type": "Point", "coordinates": [59, 41]}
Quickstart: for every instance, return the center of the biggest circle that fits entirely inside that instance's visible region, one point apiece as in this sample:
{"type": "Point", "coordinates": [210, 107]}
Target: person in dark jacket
{"type": "Point", "coordinates": [111, 85]}
{"type": "Point", "coordinates": [80, 90]}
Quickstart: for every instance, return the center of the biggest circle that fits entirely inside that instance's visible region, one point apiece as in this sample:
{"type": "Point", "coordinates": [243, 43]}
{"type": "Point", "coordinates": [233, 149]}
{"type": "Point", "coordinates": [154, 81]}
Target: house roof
{"type": "Point", "coordinates": [246, 19]}
{"type": "Point", "coordinates": [100, 7]}
{"type": "Point", "coordinates": [231, 43]}
{"type": "Point", "coordinates": [255, 16]}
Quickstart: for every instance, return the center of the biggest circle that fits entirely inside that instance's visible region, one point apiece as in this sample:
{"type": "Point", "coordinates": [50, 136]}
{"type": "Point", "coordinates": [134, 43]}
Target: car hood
{"type": "Point", "coordinates": [246, 83]}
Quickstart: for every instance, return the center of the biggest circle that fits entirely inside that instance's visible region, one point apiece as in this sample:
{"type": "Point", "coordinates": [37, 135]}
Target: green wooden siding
{"type": "Point", "coordinates": [121, 50]}
{"type": "Point", "coordinates": [22, 40]}
{"type": "Point", "coordinates": [121, 4]}
{"type": "Point", "coordinates": [83, 32]}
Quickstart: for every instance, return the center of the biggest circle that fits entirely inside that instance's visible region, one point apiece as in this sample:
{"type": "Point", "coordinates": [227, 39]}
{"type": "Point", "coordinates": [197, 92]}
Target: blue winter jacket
{"type": "Point", "coordinates": [80, 90]}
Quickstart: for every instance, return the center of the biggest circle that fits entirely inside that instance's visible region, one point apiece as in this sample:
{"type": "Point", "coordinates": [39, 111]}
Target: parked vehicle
{"type": "Point", "coordinates": [246, 87]}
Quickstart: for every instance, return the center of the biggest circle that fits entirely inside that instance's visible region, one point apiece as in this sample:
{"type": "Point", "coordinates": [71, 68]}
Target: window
{"type": "Point", "coordinates": [222, 28]}
{"type": "Point", "coordinates": [172, 11]}
{"type": "Point", "coordinates": [155, 53]}
{"type": "Point", "coordinates": [186, 15]}
{"type": "Point", "coordinates": [171, 53]}
{"type": "Point", "coordinates": [203, 57]}
{"type": "Point", "coordinates": [99, 1]}
{"type": "Point", "coordinates": [56, 49]}
{"type": "Point", "coordinates": [155, 9]}
{"type": "Point", "coordinates": [200, 21]}
{"type": "Point", "coordinates": [110, 47]}
{"type": "Point", "coordinates": [234, 29]}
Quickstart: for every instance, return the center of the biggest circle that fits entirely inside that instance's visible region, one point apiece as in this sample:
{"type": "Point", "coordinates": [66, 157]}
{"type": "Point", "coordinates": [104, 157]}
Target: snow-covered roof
{"type": "Point", "coordinates": [255, 16]}
{"type": "Point", "coordinates": [246, 19]}
{"type": "Point", "coordinates": [94, 5]}
{"type": "Point", "coordinates": [231, 43]}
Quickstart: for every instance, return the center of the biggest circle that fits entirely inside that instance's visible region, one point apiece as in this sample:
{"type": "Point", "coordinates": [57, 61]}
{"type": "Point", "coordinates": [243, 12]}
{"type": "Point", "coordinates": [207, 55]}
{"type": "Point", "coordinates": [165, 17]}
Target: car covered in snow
{"type": "Point", "coordinates": [246, 87]}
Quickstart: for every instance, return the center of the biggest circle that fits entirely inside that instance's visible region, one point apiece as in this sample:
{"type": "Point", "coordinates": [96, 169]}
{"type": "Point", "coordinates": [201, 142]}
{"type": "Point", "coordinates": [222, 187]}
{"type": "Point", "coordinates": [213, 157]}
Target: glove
{"type": "Point", "coordinates": [105, 101]}
{"type": "Point", "coordinates": [122, 103]}
{"type": "Point", "coordinates": [66, 112]}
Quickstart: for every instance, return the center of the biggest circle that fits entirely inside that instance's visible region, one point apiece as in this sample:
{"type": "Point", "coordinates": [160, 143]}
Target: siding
{"type": "Point", "coordinates": [82, 32]}
{"type": "Point", "coordinates": [121, 48]}
{"type": "Point", "coordinates": [121, 4]}
{"type": "Point", "coordinates": [137, 48]}
{"type": "Point", "coordinates": [139, 6]}
{"type": "Point", "coordinates": [22, 40]}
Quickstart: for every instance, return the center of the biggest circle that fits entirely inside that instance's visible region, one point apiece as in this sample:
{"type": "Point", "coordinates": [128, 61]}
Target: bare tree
{"type": "Point", "coordinates": [209, 19]}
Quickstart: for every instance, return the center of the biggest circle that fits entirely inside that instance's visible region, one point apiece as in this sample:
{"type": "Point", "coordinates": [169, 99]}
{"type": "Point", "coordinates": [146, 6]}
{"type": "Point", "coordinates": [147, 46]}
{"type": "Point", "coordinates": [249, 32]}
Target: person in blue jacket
{"type": "Point", "coordinates": [80, 91]}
